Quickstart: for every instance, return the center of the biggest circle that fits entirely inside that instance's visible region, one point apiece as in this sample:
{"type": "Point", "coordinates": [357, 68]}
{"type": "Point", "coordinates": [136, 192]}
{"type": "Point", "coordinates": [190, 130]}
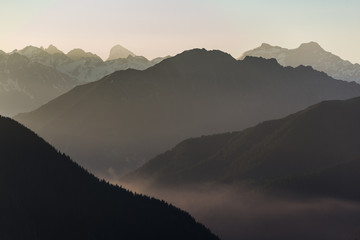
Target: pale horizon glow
{"type": "Point", "coordinates": [160, 28]}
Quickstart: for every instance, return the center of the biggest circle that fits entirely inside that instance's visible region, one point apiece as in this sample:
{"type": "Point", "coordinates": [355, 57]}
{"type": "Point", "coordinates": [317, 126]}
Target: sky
{"type": "Point", "coordinates": [155, 28]}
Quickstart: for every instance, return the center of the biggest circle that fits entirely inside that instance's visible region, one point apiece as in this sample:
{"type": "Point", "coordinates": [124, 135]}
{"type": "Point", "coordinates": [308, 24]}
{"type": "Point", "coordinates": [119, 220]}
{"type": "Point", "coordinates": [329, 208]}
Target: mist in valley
{"type": "Point", "coordinates": [233, 213]}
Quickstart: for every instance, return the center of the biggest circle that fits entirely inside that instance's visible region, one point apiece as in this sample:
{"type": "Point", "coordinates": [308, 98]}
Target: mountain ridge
{"type": "Point", "coordinates": [26, 85]}
{"type": "Point", "coordinates": [298, 154]}
{"type": "Point", "coordinates": [194, 93]}
{"type": "Point", "coordinates": [309, 54]}
{"type": "Point", "coordinates": [84, 66]}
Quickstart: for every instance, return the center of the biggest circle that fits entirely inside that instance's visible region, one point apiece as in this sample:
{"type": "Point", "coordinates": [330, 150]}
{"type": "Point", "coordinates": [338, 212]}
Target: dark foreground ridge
{"type": "Point", "coordinates": [45, 195]}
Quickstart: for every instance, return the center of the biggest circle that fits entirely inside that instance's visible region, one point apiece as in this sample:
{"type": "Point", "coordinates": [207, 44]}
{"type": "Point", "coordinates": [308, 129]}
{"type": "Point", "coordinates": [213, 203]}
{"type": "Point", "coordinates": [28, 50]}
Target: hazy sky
{"type": "Point", "coordinates": [157, 27]}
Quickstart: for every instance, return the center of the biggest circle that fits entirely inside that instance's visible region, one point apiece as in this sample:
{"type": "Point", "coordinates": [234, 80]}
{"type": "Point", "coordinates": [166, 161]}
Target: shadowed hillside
{"type": "Point", "coordinates": [292, 178]}
{"type": "Point", "coordinates": [45, 195]}
{"type": "Point", "coordinates": [314, 151]}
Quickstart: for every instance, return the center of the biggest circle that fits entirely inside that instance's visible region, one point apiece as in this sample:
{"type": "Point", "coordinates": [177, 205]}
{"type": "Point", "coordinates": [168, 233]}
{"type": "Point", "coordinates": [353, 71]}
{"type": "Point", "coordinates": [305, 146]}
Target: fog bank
{"type": "Point", "coordinates": [233, 214]}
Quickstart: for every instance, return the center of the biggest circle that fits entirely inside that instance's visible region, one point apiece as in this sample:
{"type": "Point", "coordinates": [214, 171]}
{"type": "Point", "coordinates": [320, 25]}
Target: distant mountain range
{"type": "Point", "coordinates": [313, 152]}
{"type": "Point", "coordinates": [309, 54]}
{"type": "Point", "coordinates": [45, 195]}
{"type": "Point", "coordinates": [33, 76]}
{"type": "Point", "coordinates": [25, 85]}
{"type": "Point", "coordinates": [85, 66]}
{"type": "Point", "coordinates": [116, 124]}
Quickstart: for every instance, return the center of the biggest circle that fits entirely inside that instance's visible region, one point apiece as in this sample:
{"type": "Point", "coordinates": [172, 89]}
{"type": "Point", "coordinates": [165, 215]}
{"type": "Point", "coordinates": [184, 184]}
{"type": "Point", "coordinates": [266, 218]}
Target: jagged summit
{"type": "Point", "coordinates": [30, 51]}
{"type": "Point", "coordinates": [312, 46]}
{"type": "Point", "coordinates": [79, 64]}
{"type": "Point", "coordinates": [77, 54]}
{"type": "Point", "coordinates": [309, 54]}
{"type": "Point", "coordinates": [52, 50]}
{"type": "Point", "coordinates": [119, 51]}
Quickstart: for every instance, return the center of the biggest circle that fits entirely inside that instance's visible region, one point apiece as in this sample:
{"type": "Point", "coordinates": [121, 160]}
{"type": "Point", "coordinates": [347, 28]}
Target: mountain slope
{"type": "Point", "coordinates": [309, 54]}
{"type": "Point", "coordinates": [44, 195]}
{"type": "Point", "coordinates": [334, 181]}
{"type": "Point", "coordinates": [25, 85]}
{"type": "Point", "coordinates": [314, 151]}
{"type": "Point", "coordinates": [115, 124]}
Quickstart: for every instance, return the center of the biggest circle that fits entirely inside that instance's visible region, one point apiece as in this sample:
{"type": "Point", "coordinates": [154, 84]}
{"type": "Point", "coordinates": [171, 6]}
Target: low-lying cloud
{"type": "Point", "coordinates": [234, 214]}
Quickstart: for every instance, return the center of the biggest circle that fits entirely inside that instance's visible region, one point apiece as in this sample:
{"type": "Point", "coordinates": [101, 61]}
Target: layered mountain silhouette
{"type": "Point", "coordinates": [86, 66]}
{"type": "Point", "coordinates": [45, 195]}
{"type": "Point", "coordinates": [33, 76]}
{"type": "Point", "coordinates": [309, 54]}
{"type": "Point", "coordinates": [26, 85]}
{"type": "Point", "coordinates": [114, 125]}
{"type": "Point", "coordinates": [312, 152]}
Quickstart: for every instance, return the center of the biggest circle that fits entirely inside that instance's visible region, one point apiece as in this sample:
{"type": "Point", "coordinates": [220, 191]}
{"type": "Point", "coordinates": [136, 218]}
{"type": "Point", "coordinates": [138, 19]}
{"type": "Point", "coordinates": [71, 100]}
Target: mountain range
{"type": "Point", "coordinates": [45, 195]}
{"type": "Point", "coordinates": [33, 76]}
{"type": "Point", "coordinates": [313, 152]}
{"type": "Point", "coordinates": [26, 85]}
{"type": "Point", "coordinates": [18, 95]}
{"type": "Point", "coordinates": [116, 124]}
{"type": "Point", "coordinates": [86, 66]}
{"type": "Point", "coordinates": [309, 54]}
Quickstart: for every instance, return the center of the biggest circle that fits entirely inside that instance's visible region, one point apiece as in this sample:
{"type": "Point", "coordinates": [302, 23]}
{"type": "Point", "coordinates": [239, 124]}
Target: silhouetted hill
{"type": "Point", "coordinates": [309, 54]}
{"type": "Point", "coordinates": [315, 151]}
{"type": "Point", "coordinates": [45, 195]}
{"type": "Point", "coordinates": [116, 124]}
